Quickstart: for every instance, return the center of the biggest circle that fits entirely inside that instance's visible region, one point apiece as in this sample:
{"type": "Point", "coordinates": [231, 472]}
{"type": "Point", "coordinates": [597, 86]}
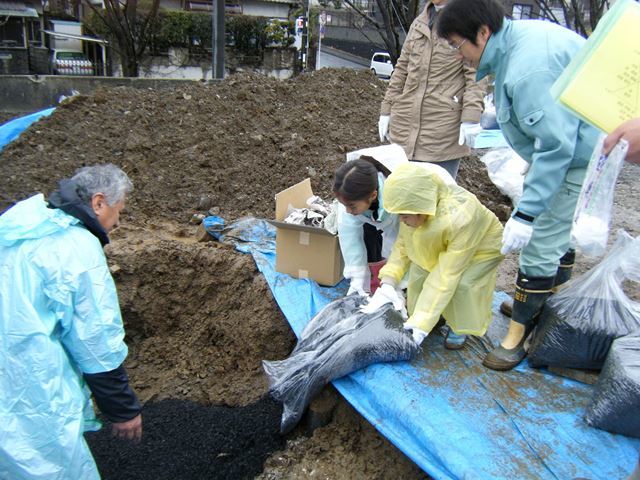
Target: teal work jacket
{"type": "Point", "coordinates": [526, 57]}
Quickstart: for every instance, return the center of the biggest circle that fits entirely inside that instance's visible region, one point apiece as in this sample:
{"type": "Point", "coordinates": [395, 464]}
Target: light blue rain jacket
{"type": "Point", "coordinates": [350, 234]}
{"type": "Point", "coordinates": [527, 56]}
{"type": "Point", "coordinates": [59, 317]}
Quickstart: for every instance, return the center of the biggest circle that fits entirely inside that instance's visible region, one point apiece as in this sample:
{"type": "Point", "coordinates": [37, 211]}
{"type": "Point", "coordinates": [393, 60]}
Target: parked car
{"type": "Point", "coordinates": [68, 62]}
{"type": "Point", "coordinates": [381, 64]}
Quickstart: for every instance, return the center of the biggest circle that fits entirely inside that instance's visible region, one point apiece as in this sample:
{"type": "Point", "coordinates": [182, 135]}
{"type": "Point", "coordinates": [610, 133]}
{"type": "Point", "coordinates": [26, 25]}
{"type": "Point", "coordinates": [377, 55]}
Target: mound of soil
{"type": "Point", "coordinates": [232, 144]}
{"type": "Point", "coordinates": [199, 317]}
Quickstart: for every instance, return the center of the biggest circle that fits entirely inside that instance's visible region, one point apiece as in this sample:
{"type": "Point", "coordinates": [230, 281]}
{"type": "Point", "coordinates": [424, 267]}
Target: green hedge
{"type": "Point", "coordinates": [247, 35]}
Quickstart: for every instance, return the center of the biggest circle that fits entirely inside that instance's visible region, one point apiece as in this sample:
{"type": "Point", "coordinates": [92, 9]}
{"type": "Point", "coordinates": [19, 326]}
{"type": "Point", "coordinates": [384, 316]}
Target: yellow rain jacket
{"type": "Point", "coordinates": [452, 258]}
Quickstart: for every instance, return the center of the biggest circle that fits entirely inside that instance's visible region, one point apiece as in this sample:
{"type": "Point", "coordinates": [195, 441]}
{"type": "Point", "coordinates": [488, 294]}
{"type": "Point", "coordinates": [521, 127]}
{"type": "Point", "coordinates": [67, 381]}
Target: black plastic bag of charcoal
{"type": "Point", "coordinates": [579, 323]}
{"type": "Point", "coordinates": [337, 341]}
{"type": "Point", "coordinates": [616, 402]}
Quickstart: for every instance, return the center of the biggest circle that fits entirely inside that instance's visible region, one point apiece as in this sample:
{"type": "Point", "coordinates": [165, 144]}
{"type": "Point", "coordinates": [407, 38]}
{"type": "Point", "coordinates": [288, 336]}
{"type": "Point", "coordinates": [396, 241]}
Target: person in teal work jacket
{"type": "Point", "coordinates": [61, 330]}
{"type": "Point", "coordinates": [526, 57]}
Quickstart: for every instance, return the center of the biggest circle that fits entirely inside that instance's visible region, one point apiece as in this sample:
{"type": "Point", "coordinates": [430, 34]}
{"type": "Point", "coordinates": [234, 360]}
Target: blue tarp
{"type": "Point", "coordinates": [13, 128]}
{"type": "Point", "coordinates": [453, 417]}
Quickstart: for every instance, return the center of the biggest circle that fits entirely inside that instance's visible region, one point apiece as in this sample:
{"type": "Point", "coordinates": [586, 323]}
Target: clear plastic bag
{"type": "Point", "coordinates": [337, 341]}
{"type": "Point", "coordinates": [578, 324]}
{"type": "Point", "coordinates": [488, 119]}
{"type": "Point", "coordinates": [616, 401]}
{"type": "Point", "coordinates": [592, 217]}
{"type": "Point", "coordinates": [506, 170]}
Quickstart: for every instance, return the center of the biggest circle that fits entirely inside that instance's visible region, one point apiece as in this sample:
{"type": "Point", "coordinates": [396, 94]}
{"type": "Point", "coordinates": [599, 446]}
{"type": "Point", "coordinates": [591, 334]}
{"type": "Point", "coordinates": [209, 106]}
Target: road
{"type": "Point", "coordinates": [330, 57]}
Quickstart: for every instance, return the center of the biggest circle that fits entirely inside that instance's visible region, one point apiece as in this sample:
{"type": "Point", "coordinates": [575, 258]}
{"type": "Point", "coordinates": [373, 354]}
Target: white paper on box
{"type": "Point", "coordinates": [303, 239]}
{"type": "Point", "coordinates": [303, 274]}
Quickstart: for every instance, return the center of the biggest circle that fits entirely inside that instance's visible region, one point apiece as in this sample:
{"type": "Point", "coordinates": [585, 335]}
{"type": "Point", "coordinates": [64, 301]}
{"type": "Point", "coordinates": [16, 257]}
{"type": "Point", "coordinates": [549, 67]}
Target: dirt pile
{"type": "Point", "coordinates": [232, 145]}
{"type": "Point", "coordinates": [200, 317]}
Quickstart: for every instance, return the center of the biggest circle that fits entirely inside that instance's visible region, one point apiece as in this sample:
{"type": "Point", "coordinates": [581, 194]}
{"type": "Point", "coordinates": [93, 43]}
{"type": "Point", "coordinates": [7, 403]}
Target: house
{"type": "Point", "coordinates": [22, 43]}
{"type": "Point", "coordinates": [280, 9]}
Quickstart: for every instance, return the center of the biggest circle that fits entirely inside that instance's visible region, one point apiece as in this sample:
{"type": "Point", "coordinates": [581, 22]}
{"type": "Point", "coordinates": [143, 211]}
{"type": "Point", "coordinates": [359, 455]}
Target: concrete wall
{"type": "Point", "coordinates": [39, 57]}
{"type": "Point", "coordinates": [261, 9]}
{"type": "Point", "coordinates": [30, 93]}
{"type": "Point", "coordinates": [14, 61]}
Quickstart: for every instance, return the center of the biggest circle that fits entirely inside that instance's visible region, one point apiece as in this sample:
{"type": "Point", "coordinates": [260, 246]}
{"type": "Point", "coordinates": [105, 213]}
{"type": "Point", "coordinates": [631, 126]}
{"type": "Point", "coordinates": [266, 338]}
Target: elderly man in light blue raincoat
{"type": "Point", "coordinates": [61, 331]}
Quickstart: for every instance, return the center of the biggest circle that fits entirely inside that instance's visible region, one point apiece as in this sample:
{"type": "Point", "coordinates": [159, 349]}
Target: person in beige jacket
{"type": "Point", "coordinates": [432, 100]}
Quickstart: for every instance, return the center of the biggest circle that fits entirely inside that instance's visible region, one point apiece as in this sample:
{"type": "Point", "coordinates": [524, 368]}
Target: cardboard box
{"type": "Point", "coordinates": [303, 251]}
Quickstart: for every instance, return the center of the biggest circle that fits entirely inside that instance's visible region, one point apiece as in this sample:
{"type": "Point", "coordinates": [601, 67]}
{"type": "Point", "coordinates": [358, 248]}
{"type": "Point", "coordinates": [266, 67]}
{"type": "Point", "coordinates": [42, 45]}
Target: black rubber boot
{"type": "Point", "coordinates": [531, 293]}
{"type": "Point", "coordinates": [565, 269]}
{"type": "Point", "coordinates": [563, 275]}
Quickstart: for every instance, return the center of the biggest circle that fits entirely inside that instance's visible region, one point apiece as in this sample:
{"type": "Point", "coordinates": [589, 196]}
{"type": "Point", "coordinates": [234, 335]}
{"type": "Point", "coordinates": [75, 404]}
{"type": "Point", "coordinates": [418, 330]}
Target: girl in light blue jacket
{"type": "Point", "coordinates": [365, 229]}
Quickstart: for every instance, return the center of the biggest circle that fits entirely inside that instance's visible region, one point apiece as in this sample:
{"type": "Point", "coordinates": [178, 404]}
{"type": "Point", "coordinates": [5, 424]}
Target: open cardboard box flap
{"type": "Point", "coordinates": [295, 196]}
{"type": "Point", "coordinates": [303, 251]}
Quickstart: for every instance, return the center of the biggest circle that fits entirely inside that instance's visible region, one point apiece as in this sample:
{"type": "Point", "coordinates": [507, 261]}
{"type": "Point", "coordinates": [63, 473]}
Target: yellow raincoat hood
{"type": "Point", "coordinates": [451, 258]}
{"type": "Point", "coordinates": [413, 190]}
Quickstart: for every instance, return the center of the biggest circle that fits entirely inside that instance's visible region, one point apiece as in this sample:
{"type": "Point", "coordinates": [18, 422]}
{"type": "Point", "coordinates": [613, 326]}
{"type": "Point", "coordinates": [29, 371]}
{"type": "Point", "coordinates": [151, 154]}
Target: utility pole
{"type": "Point", "coordinates": [217, 39]}
{"type": "Point", "coordinates": [322, 21]}
{"type": "Point", "coordinates": [305, 59]}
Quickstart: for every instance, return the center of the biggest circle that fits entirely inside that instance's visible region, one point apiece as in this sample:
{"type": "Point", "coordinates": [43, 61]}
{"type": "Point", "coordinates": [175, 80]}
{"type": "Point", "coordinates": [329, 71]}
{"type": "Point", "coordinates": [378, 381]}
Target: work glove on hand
{"type": "Point", "coordinates": [467, 129]}
{"type": "Point", "coordinates": [417, 334]}
{"type": "Point", "coordinates": [383, 127]}
{"type": "Point", "coordinates": [358, 286]}
{"type": "Point", "coordinates": [515, 236]}
{"type": "Point", "coordinates": [384, 294]}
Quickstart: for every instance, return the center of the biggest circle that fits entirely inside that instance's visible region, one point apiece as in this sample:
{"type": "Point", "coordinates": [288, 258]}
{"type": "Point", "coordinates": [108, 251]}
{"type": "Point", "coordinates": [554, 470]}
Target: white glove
{"type": "Point", "coordinates": [515, 236]}
{"type": "Point", "coordinates": [417, 334]}
{"type": "Point", "coordinates": [357, 285]}
{"type": "Point", "coordinates": [383, 127]}
{"type": "Point", "coordinates": [384, 294]}
{"type": "Point", "coordinates": [467, 129]}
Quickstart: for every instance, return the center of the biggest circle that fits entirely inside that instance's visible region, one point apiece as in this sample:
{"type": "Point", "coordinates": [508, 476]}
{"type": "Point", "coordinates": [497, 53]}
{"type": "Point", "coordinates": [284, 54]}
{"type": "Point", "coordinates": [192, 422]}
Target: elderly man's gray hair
{"type": "Point", "coordinates": [106, 179]}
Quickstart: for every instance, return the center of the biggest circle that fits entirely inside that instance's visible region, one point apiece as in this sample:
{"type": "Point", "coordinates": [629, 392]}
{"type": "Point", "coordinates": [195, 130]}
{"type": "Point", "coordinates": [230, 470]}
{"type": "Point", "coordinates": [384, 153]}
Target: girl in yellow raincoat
{"type": "Point", "coordinates": [449, 244]}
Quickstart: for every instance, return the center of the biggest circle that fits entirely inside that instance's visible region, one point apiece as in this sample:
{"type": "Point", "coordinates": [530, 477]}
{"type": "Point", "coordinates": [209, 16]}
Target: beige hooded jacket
{"type": "Point", "coordinates": [431, 92]}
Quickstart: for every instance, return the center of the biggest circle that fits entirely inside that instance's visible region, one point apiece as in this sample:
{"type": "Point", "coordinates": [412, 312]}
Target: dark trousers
{"type": "Point", "coordinates": [373, 241]}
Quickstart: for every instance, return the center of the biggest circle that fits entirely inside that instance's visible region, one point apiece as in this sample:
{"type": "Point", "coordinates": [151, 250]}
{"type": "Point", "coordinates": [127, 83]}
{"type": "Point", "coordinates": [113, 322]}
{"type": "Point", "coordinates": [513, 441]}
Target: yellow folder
{"type": "Point", "coordinates": [602, 83]}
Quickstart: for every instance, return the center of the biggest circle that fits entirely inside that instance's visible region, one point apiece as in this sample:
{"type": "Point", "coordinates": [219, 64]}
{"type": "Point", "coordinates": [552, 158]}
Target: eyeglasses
{"type": "Point", "coordinates": [456, 47]}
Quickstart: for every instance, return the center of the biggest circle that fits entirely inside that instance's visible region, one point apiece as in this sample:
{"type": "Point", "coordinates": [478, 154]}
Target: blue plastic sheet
{"type": "Point", "coordinates": [453, 417]}
{"type": "Point", "coordinates": [12, 129]}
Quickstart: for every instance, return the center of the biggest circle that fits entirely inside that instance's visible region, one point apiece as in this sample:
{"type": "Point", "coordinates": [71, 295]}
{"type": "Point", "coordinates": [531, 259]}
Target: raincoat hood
{"type": "Point", "coordinates": [411, 189]}
{"type": "Point", "coordinates": [66, 199]}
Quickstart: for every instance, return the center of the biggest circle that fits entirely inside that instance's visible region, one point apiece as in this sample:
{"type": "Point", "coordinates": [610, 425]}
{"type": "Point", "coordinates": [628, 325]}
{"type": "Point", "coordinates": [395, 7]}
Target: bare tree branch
{"type": "Point", "coordinates": [130, 30]}
{"type": "Point", "coordinates": [575, 13]}
{"type": "Point", "coordinates": [392, 17]}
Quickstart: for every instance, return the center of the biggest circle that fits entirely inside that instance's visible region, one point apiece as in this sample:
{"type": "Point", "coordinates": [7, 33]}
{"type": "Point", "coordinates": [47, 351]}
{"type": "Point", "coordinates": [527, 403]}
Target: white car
{"type": "Point", "coordinates": [67, 62]}
{"type": "Point", "coordinates": [381, 64]}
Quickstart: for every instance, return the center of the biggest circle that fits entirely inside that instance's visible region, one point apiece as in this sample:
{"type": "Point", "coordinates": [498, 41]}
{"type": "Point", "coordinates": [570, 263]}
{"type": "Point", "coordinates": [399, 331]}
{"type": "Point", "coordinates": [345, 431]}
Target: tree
{"type": "Point", "coordinates": [393, 16]}
{"type": "Point", "coordinates": [129, 26]}
{"type": "Point", "coordinates": [581, 16]}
